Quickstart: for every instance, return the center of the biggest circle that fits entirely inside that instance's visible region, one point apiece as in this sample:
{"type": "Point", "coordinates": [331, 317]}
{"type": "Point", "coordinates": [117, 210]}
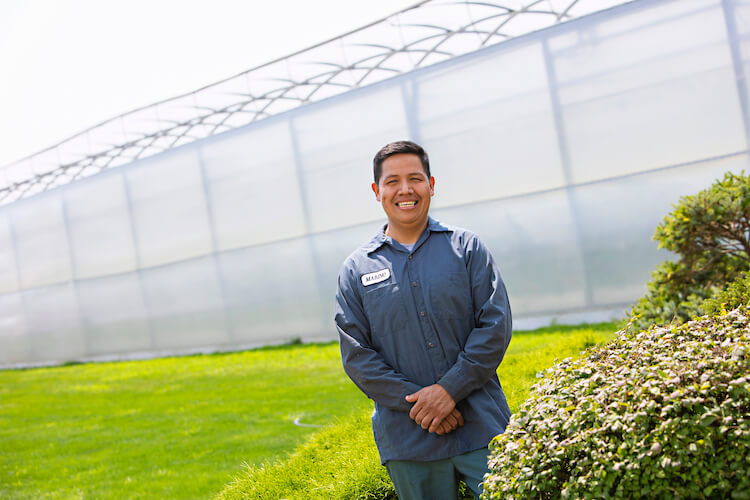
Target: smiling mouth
{"type": "Point", "coordinates": [405, 204]}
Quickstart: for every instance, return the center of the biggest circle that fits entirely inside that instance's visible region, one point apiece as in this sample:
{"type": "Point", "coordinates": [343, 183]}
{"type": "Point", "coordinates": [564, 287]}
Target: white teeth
{"type": "Point", "coordinates": [407, 203]}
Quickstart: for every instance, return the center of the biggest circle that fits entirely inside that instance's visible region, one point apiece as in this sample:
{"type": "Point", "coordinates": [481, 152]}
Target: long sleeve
{"type": "Point", "coordinates": [364, 365]}
{"type": "Point", "coordinates": [487, 342]}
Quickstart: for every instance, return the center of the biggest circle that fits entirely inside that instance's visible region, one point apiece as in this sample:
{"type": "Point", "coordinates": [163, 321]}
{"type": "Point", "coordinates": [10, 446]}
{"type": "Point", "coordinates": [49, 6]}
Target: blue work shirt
{"type": "Point", "coordinates": [408, 319]}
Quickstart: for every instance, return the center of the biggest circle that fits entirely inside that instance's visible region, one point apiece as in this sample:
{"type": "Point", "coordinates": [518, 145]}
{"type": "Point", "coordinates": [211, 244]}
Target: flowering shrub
{"type": "Point", "coordinates": [661, 413]}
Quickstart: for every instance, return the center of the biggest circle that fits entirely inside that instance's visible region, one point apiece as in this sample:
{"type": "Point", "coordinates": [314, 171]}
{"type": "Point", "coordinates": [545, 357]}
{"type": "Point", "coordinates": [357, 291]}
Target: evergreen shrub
{"type": "Point", "coordinates": [710, 234]}
{"type": "Point", "coordinates": [661, 413]}
{"type": "Point", "coordinates": [734, 295]}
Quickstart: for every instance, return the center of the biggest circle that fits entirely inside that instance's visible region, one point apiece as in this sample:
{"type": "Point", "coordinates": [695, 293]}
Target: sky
{"type": "Point", "coordinates": [66, 65]}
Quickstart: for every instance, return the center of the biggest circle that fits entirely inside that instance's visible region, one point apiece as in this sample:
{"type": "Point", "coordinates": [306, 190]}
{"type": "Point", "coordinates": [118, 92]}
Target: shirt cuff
{"type": "Point", "coordinates": [454, 382]}
{"type": "Point", "coordinates": [404, 405]}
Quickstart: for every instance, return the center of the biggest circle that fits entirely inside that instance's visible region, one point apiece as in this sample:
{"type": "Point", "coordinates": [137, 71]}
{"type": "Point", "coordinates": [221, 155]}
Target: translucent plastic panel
{"type": "Point", "coordinates": [101, 231]}
{"type": "Point", "coordinates": [222, 95]}
{"type": "Point", "coordinates": [252, 181]}
{"type": "Point", "coordinates": [15, 343]}
{"type": "Point", "coordinates": [740, 10]}
{"type": "Point", "coordinates": [41, 240]}
{"type": "Point", "coordinates": [582, 8]}
{"type": "Point", "coordinates": [618, 219]}
{"type": "Point", "coordinates": [642, 35]}
{"type": "Point", "coordinates": [136, 124]}
{"type": "Point", "coordinates": [73, 150]}
{"type": "Point", "coordinates": [273, 292]}
{"type": "Point", "coordinates": [115, 314]}
{"type": "Point", "coordinates": [661, 92]}
{"type": "Point", "coordinates": [375, 60]}
{"type": "Point", "coordinates": [186, 304]}
{"type": "Point", "coordinates": [104, 136]}
{"type": "Point", "coordinates": [54, 324]}
{"type": "Point", "coordinates": [488, 127]}
{"type": "Point", "coordinates": [337, 140]}
{"type": "Point", "coordinates": [655, 127]}
{"type": "Point", "coordinates": [331, 249]}
{"type": "Point", "coordinates": [438, 30]}
{"type": "Point", "coordinates": [45, 161]}
{"type": "Point", "coordinates": [169, 206]}
{"type": "Point", "coordinates": [8, 265]}
{"type": "Point", "coordinates": [17, 172]}
{"type": "Point", "coordinates": [533, 240]}
{"type": "Point", "coordinates": [318, 65]}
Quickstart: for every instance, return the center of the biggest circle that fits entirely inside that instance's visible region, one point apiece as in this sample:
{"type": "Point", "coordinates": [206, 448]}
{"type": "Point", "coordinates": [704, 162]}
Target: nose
{"type": "Point", "coordinates": [404, 187]}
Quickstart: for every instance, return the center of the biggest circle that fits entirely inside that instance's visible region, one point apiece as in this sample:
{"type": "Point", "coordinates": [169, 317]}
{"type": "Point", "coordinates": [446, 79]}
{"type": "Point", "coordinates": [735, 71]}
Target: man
{"type": "Point", "coordinates": [424, 321]}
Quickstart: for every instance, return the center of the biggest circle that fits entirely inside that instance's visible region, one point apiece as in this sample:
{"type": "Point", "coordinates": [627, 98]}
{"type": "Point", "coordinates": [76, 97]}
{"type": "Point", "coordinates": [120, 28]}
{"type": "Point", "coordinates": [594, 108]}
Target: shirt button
{"type": "Point", "coordinates": [421, 313]}
{"type": "Point", "coordinates": [413, 283]}
{"type": "Point", "coordinates": [410, 256]}
{"type": "Point", "coordinates": [430, 344]}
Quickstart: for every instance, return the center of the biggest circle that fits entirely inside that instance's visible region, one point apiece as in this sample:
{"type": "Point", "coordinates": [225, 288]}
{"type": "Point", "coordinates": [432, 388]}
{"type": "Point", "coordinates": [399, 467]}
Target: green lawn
{"type": "Point", "coordinates": [182, 427]}
{"type": "Point", "coordinates": [163, 428]}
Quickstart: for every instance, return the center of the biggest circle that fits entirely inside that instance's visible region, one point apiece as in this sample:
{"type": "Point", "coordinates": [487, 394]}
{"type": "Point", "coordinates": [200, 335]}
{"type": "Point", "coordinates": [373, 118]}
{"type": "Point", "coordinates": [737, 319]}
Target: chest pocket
{"type": "Point", "coordinates": [450, 296]}
{"type": "Point", "coordinates": [385, 309]}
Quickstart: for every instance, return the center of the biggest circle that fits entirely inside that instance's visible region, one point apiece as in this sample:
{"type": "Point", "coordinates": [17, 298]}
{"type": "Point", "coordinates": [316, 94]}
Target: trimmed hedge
{"type": "Point", "coordinates": [661, 413]}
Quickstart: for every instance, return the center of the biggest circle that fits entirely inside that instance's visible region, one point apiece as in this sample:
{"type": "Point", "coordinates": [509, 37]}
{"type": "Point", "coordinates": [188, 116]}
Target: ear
{"type": "Point", "coordinates": [432, 186]}
{"type": "Point", "coordinates": [376, 190]}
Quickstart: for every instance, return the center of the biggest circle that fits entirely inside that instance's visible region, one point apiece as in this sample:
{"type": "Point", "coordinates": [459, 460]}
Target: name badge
{"type": "Point", "coordinates": [376, 277]}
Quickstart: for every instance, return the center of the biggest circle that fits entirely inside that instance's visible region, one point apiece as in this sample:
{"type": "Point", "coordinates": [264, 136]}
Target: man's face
{"type": "Point", "coordinates": [404, 190]}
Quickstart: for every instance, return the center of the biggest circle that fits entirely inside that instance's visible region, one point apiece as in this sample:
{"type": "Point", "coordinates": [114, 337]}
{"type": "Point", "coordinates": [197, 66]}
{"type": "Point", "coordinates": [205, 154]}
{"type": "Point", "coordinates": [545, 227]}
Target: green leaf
{"type": "Point", "coordinates": [708, 419]}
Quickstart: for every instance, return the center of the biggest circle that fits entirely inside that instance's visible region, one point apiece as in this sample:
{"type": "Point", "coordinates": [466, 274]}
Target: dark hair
{"type": "Point", "coordinates": [397, 148]}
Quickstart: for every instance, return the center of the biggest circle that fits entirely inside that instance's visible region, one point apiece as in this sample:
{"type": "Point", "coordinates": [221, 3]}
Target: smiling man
{"type": "Point", "coordinates": [424, 321]}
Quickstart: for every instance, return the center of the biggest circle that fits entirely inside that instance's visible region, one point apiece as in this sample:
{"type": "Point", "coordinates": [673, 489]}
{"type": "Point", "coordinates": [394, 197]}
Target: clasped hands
{"type": "Point", "coordinates": [435, 410]}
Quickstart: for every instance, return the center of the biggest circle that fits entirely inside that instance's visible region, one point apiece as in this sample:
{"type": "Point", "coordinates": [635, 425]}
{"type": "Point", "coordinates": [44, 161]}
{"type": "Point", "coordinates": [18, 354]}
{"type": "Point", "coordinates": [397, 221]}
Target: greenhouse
{"type": "Point", "coordinates": [218, 220]}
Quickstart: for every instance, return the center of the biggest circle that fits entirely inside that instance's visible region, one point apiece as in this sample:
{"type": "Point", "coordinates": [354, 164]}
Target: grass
{"type": "Point", "coordinates": [183, 427]}
{"type": "Point", "coordinates": [163, 428]}
{"type": "Point", "coordinates": [341, 462]}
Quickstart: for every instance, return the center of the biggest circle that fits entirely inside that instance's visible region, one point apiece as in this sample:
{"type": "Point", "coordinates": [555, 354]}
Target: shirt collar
{"type": "Point", "coordinates": [380, 239]}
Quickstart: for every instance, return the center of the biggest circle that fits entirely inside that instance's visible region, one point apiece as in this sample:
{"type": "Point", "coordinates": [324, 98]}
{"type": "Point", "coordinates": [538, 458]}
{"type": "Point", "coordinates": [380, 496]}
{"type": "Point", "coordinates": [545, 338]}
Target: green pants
{"type": "Point", "coordinates": [438, 479]}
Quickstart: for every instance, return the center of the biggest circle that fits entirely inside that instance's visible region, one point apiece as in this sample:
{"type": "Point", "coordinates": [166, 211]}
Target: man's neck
{"type": "Point", "coordinates": [405, 235]}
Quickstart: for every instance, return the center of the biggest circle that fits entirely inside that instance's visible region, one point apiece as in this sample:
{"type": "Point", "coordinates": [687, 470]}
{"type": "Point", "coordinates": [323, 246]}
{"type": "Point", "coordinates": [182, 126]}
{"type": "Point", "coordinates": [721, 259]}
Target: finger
{"type": "Point", "coordinates": [416, 410]}
{"type": "Point", "coordinates": [453, 418]}
{"type": "Point", "coordinates": [443, 428]}
{"type": "Point", "coordinates": [460, 418]}
{"type": "Point", "coordinates": [419, 419]}
{"type": "Point", "coordinates": [455, 424]}
{"type": "Point", "coordinates": [450, 422]}
{"type": "Point", "coordinates": [413, 413]}
{"type": "Point", "coordinates": [446, 427]}
{"type": "Point", "coordinates": [451, 427]}
{"type": "Point", "coordinates": [421, 414]}
{"type": "Point", "coordinates": [412, 397]}
{"type": "Point", "coordinates": [435, 424]}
